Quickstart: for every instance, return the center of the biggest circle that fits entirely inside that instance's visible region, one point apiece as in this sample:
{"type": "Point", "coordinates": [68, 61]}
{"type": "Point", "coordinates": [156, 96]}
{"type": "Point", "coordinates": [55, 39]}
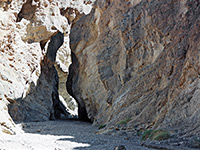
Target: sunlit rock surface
{"type": "Point", "coordinates": [28, 78]}
{"type": "Point", "coordinates": [133, 60]}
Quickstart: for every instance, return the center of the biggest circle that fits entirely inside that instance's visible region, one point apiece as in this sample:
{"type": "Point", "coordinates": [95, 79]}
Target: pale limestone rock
{"type": "Point", "coordinates": [19, 62]}
{"type": "Point", "coordinates": [23, 24]}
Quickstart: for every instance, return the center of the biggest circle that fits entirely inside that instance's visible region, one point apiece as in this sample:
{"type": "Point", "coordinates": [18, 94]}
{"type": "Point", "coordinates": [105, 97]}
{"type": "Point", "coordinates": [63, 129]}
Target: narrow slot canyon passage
{"type": "Point", "coordinates": [50, 93]}
{"type": "Point", "coordinates": [99, 74]}
{"type": "Point", "coordinates": [43, 98]}
{"type": "Point", "coordinates": [43, 120]}
{"type": "Point", "coordinates": [62, 130]}
{"type": "Point", "coordinates": [73, 73]}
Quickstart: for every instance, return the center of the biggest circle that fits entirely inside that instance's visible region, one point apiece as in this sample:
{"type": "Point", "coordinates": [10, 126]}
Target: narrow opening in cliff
{"type": "Point", "coordinates": [64, 105]}
{"type": "Point", "coordinates": [48, 98]}
{"type": "Point", "coordinates": [63, 61]}
{"type": "Point", "coordinates": [73, 90]}
{"type": "Point", "coordinates": [68, 103]}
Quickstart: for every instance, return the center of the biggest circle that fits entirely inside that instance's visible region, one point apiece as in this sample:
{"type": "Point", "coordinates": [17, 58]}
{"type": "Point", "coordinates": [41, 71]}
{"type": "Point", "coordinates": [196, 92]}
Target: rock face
{"type": "Point", "coordinates": [31, 33]}
{"type": "Point", "coordinates": [70, 103]}
{"type": "Point", "coordinates": [42, 101]}
{"type": "Point", "coordinates": [138, 60]}
{"type": "Point", "coordinates": [41, 95]}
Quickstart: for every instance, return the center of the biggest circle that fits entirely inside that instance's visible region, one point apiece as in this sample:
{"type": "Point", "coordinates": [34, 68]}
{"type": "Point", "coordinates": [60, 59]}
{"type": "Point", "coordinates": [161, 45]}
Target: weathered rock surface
{"type": "Point", "coordinates": [19, 61]}
{"type": "Point", "coordinates": [43, 98]}
{"type": "Point", "coordinates": [138, 60]}
{"type": "Point", "coordinates": [29, 41]}
{"type": "Point", "coordinates": [69, 101]}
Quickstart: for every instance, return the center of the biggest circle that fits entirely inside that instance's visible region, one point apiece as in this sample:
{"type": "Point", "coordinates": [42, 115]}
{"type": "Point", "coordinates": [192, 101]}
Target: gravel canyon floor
{"type": "Point", "coordinates": [74, 135]}
{"type": "Point", "coordinates": [65, 135]}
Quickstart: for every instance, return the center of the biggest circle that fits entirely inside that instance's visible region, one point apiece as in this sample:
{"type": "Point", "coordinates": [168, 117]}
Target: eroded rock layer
{"type": "Point", "coordinates": [31, 32]}
{"type": "Point", "coordinates": [138, 60]}
{"type": "Point", "coordinates": [42, 101]}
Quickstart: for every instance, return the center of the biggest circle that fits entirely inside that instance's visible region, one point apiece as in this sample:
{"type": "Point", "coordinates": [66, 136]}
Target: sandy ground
{"type": "Point", "coordinates": [65, 135]}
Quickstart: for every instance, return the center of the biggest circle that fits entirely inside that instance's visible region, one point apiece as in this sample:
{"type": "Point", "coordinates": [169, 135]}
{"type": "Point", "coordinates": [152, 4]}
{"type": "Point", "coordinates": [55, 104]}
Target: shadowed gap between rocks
{"type": "Point", "coordinates": [42, 100]}
{"type": "Point", "coordinates": [73, 90]}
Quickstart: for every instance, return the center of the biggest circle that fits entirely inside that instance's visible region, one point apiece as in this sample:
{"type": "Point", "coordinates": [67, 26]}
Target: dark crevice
{"type": "Point", "coordinates": [49, 60]}
{"type": "Point", "coordinates": [42, 101]}
{"type": "Point", "coordinates": [73, 90]}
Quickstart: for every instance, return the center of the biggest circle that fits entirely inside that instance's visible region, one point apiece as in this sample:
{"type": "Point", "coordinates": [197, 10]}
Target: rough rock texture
{"type": "Point", "coordinates": [71, 104]}
{"type": "Point", "coordinates": [73, 88]}
{"type": "Point", "coordinates": [19, 62]}
{"type": "Point", "coordinates": [40, 97]}
{"type": "Point", "coordinates": [28, 37]}
{"type": "Point", "coordinates": [42, 101]}
{"type": "Point", "coordinates": [138, 60]}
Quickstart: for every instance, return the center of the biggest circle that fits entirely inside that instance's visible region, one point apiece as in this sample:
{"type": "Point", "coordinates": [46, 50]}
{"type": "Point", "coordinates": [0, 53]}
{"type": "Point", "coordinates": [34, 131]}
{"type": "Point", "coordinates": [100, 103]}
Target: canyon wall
{"type": "Point", "coordinates": [34, 38]}
{"type": "Point", "coordinates": [132, 60]}
{"type": "Point", "coordinates": [42, 100]}
{"type": "Point", "coordinates": [138, 60]}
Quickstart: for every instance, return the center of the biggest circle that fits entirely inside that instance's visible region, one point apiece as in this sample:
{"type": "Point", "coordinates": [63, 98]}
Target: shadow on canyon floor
{"type": "Point", "coordinates": [74, 134]}
{"type": "Point", "coordinates": [73, 131]}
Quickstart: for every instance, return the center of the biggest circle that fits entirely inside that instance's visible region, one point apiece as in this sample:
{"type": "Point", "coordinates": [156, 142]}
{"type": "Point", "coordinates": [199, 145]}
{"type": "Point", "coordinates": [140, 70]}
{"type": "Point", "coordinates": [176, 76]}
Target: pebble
{"type": "Point", "coordinates": [121, 147]}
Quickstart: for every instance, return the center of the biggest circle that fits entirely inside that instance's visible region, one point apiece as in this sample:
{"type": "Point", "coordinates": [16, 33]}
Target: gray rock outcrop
{"type": "Point", "coordinates": [138, 61]}
{"type": "Point", "coordinates": [134, 62]}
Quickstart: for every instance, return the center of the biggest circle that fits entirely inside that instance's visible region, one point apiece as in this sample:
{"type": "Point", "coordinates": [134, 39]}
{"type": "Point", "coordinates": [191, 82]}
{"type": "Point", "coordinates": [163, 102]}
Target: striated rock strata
{"type": "Point", "coordinates": [138, 60]}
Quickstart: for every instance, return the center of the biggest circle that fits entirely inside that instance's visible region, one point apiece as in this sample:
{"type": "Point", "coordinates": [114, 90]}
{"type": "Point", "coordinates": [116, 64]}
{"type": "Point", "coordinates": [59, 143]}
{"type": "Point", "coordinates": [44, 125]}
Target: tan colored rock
{"type": "Point", "coordinates": [70, 13]}
{"type": "Point", "coordinates": [138, 60]}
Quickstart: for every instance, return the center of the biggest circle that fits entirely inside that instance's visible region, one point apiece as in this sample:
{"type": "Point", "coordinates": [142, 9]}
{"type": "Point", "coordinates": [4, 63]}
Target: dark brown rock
{"type": "Point", "coordinates": [27, 11]}
{"type": "Point", "coordinates": [72, 14]}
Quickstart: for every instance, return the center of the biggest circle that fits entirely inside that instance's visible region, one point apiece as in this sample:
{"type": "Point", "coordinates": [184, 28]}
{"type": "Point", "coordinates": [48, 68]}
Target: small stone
{"type": "Point", "coordinates": [117, 129]}
{"type": "Point", "coordinates": [175, 144]}
{"type": "Point", "coordinates": [121, 147]}
{"type": "Point", "coordinates": [127, 138]}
